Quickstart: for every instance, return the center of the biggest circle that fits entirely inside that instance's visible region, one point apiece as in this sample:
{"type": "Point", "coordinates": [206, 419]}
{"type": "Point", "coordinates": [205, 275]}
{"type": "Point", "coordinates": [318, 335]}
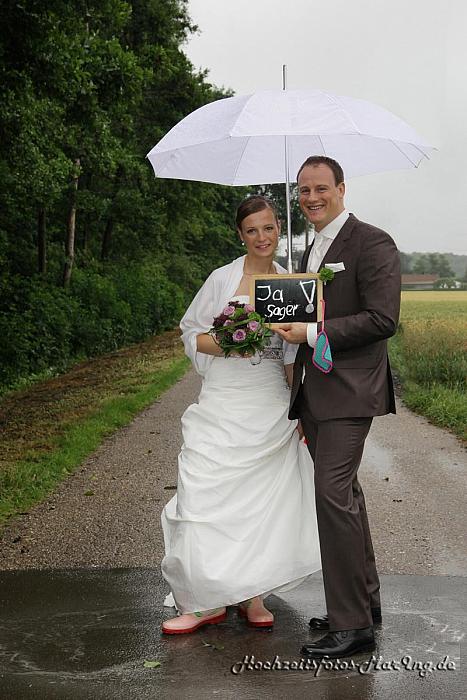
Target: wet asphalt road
{"type": "Point", "coordinates": [86, 635]}
{"type": "Point", "coordinates": [81, 593]}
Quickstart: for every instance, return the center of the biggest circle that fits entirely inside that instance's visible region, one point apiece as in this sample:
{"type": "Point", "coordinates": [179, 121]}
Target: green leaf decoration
{"type": "Point", "coordinates": [152, 664]}
{"type": "Point", "coordinates": [326, 275]}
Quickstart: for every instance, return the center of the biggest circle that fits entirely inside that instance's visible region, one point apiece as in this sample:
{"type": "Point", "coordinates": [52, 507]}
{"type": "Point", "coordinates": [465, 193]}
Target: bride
{"type": "Point", "coordinates": [243, 521]}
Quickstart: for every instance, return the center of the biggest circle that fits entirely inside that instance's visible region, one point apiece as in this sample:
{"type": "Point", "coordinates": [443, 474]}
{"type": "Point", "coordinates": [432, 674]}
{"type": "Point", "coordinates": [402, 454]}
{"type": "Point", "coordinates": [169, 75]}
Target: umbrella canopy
{"type": "Point", "coordinates": [241, 140]}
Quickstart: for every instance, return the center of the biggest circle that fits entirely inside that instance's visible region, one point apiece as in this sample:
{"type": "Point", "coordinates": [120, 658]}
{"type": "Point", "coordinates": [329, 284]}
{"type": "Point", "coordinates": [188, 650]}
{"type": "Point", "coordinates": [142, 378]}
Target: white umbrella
{"type": "Point", "coordinates": [242, 140]}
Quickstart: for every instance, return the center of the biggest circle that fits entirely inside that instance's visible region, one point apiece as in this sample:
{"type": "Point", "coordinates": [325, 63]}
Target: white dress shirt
{"type": "Point", "coordinates": [322, 242]}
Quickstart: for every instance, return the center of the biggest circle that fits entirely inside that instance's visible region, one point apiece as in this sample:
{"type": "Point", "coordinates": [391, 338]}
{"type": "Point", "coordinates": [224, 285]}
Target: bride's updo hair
{"type": "Point", "coordinates": [252, 205]}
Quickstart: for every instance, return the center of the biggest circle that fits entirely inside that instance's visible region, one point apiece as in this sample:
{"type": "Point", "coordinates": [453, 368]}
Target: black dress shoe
{"type": "Point", "coordinates": [322, 623]}
{"type": "Point", "coordinates": [342, 643]}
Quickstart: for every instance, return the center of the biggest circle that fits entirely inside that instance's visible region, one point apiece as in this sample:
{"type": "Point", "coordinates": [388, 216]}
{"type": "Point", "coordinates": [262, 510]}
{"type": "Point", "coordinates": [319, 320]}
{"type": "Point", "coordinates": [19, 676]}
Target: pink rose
{"type": "Point", "coordinates": [229, 322]}
{"type": "Point", "coordinates": [249, 308]}
{"type": "Point", "coordinates": [239, 335]}
{"type": "Point", "coordinates": [229, 311]}
{"type": "Point", "coordinates": [253, 325]}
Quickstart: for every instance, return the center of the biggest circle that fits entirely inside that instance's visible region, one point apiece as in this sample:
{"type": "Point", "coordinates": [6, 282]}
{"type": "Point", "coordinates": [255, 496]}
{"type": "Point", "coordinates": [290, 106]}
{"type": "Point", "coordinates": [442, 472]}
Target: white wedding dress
{"type": "Point", "coordinates": [243, 521]}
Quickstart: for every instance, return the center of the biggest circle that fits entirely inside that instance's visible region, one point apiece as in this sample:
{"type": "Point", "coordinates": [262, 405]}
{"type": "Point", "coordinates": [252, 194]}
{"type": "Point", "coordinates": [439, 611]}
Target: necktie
{"type": "Point", "coordinates": [317, 253]}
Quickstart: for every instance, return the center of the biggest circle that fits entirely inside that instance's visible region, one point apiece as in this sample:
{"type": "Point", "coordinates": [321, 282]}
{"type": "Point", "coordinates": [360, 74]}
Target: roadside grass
{"type": "Point", "coordinates": [50, 428]}
{"type": "Point", "coordinates": [429, 354]}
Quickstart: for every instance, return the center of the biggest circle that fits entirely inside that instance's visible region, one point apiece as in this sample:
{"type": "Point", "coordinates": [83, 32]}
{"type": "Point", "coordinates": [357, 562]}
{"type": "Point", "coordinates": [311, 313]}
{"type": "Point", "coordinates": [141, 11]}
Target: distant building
{"type": "Point", "coordinates": [418, 281]}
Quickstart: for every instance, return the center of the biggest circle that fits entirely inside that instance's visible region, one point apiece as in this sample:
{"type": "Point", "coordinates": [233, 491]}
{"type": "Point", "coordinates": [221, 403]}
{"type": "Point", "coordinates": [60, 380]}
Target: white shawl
{"type": "Point", "coordinates": [213, 296]}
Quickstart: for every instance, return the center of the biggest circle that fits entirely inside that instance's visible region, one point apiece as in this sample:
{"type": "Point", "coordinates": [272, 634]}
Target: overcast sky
{"type": "Point", "coordinates": [409, 56]}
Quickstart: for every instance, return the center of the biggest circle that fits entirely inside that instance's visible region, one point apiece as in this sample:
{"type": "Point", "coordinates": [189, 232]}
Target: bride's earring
{"type": "Point", "coordinates": [243, 242]}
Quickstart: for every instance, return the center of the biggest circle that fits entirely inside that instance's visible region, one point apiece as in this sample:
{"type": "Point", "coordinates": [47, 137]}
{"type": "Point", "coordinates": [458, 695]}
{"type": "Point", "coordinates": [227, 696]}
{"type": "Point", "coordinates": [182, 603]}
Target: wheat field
{"type": "Point", "coordinates": [429, 353]}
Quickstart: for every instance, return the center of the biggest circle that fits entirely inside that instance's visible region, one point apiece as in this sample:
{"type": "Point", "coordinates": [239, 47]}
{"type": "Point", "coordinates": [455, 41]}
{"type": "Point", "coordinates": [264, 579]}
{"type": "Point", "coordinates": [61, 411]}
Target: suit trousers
{"type": "Point", "coordinates": [351, 582]}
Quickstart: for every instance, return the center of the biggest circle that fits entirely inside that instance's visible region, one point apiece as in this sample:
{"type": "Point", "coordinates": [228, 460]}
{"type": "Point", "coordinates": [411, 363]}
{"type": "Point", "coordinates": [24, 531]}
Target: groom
{"type": "Point", "coordinates": [336, 409]}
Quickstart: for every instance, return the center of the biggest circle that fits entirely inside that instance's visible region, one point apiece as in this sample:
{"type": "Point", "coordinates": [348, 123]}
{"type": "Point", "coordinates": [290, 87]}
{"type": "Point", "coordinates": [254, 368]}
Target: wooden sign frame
{"type": "Point", "coordinates": [304, 276]}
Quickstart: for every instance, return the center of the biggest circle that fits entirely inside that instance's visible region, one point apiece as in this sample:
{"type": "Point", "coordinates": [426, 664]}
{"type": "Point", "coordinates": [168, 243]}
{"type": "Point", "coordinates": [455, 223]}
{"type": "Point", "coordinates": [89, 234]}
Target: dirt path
{"type": "Point", "coordinates": [107, 513]}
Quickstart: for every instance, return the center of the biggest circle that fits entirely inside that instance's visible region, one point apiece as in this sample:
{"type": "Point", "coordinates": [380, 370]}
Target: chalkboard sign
{"type": "Point", "coordinates": [287, 298]}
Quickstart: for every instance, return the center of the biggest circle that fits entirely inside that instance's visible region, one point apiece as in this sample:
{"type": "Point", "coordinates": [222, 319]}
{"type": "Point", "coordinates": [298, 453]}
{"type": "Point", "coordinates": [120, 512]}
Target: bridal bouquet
{"type": "Point", "coordinates": [241, 330]}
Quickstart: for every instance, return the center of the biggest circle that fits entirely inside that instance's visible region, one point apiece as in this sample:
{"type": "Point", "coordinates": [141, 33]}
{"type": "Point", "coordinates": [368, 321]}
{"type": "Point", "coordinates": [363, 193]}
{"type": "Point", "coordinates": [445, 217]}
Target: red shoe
{"type": "Point", "coordinates": [256, 615]}
{"type": "Point", "coordinates": [189, 622]}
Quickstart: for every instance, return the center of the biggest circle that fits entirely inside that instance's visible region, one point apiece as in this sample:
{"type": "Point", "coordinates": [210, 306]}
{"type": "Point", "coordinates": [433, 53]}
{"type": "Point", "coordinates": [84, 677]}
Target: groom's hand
{"type": "Point", "coordinates": [292, 332]}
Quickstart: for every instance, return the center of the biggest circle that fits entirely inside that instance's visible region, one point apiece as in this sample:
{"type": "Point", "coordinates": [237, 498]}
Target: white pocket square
{"type": "Point", "coordinates": [335, 267]}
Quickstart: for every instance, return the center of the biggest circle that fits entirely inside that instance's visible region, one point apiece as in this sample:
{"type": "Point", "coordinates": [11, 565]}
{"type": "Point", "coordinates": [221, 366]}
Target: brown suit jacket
{"type": "Point", "coordinates": [362, 311]}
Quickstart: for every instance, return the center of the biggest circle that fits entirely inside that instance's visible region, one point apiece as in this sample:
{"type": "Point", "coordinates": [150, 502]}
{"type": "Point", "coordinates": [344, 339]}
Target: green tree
{"type": "Point", "coordinates": [433, 264]}
{"type": "Point", "coordinates": [277, 193]}
{"type": "Point", "coordinates": [441, 265]}
{"type": "Point", "coordinates": [421, 265]}
{"type": "Point", "coordinates": [87, 89]}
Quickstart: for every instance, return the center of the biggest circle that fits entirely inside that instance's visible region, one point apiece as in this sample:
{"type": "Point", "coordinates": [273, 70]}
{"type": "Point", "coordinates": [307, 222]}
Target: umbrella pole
{"type": "Point", "coordinates": [287, 186]}
{"type": "Point", "coordinates": [289, 220]}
